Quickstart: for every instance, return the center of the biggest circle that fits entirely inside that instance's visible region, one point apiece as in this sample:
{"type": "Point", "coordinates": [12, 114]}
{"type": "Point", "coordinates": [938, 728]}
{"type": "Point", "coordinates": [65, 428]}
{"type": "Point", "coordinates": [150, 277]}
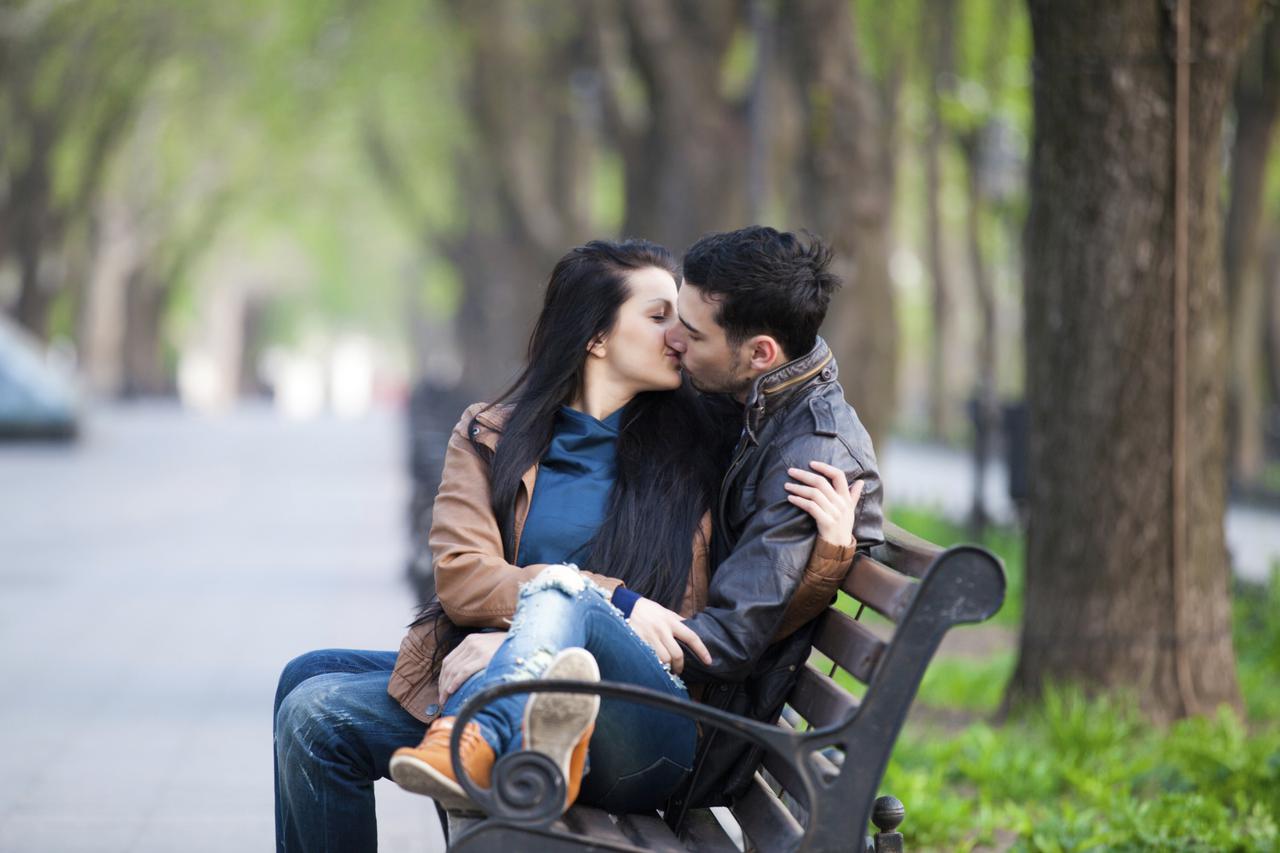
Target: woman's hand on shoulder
{"type": "Point", "coordinates": [827, 497]}
{"type": "Point", "coordinates": [469, 657]}
{"type": "Point", "coordinates": [664, 630]}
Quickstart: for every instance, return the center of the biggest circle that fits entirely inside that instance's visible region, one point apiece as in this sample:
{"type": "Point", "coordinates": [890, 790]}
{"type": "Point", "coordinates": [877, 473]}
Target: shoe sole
{"type": "Point", "coordinates": [555, 722]}
{"type": "Point", "coordinates": [414, 774]}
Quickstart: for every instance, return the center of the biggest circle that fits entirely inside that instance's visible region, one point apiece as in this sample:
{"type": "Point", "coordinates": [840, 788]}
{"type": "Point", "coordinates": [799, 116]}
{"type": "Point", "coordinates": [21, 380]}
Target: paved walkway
{"type": "Point", "coordinates": [153, 580]}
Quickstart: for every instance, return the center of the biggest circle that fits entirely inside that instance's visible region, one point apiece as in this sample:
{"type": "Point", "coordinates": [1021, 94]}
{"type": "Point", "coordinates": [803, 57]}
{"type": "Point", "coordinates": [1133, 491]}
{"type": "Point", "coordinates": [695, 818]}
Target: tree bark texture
{"type": "Point", "coordinates": [59, 87]}
{"type": "Point", "coordinates": [523, 178]}
{"type": "Point", "coordinates": [938, 31]}
{"type": "Point", "coordinates": [985, 396]}
{"type": "Point", "coordinates": [1271, 312]}
{"type": "Point", "coordinates": [684, 143]}
{"type": "Point", "coordinates": [145, 373]}
{"type": "Point", "coordinates": [846, 196]}
{"type": "Point", "coordinates": [1105, 604]}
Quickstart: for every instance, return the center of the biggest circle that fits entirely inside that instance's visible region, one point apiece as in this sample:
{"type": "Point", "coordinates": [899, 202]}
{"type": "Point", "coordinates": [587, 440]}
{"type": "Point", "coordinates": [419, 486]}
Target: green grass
{"type": "Point", "coordinates": [1078, 774]}
{"type": "Point", "coordinates": [1073, 773]}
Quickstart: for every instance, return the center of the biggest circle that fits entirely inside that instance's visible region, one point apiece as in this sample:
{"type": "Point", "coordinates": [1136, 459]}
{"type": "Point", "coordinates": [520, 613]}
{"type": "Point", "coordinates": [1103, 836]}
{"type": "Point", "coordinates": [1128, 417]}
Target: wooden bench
{"type": "Point", "coordinates": [824, 760]}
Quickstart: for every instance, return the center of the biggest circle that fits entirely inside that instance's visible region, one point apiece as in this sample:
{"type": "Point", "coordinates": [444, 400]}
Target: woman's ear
{"type": "Point", "coordinates": [597, 347]}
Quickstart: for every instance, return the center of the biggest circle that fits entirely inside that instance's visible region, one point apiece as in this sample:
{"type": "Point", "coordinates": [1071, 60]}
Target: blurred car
{"type": "Point", "coordinates": [36, 399]}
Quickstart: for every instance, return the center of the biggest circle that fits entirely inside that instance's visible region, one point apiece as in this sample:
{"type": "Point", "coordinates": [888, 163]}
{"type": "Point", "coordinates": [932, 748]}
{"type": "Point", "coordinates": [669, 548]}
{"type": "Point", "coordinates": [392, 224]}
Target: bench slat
{"type": "Point", "coordinates": [596, 824]}
{"type": "Point", "coordinates": [879, 587]}
{"type": "Point", "coordinates": [848, 644]}
{"type": "Point", "coordinates": [764, 818]}
{"type": "Point", "coordinates": [460, 822]}
{"type": "Point", "coordinates": [905, 551]}
{"type": "Point", "coordinates": [650, 832]}
{"type": "Point", "coordinates": [702, 832]}
{"type": "Point", "coordinates": [820, 700]}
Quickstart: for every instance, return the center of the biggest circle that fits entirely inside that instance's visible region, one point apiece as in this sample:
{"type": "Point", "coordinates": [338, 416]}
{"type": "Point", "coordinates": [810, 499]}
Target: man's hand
{"type": "Point", "coordinates": [661, 629]}
{"type": "Point", "coordinates": [472, 655]}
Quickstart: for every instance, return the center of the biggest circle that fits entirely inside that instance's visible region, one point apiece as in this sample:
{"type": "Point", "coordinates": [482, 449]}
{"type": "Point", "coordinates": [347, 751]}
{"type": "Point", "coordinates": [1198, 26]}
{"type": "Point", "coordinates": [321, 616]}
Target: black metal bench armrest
{"type": "Point", "coordinates": [527, 787]}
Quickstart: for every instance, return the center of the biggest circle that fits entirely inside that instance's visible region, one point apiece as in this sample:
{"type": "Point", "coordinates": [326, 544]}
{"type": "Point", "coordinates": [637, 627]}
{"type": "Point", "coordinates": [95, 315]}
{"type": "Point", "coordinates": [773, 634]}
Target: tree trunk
{"type": "Point", "coordinates": [938, 31]}
{"type": "Point", "coordinates": [760, 114]}
{"type": "Point", "coordinates": [1271, 314]}
{"type": "Point", "coordinates": [503, 283]}
{"type": "Point", "coordinates": [846, 195]}
{"type": "Point", "coordinates": [524, 181]}
{"type": "Point", "coordinates": [685, 152]}
{"type": "Point", "coordinates": [986, 401]}
{"type": "Point", "coordinates": [1109, 601]}
{"type": "Point", "coordinates": [32, 229]}
{"type": "Point", "coordinates": [144, 373]}
{"type": "Point", "coordinates": [1256, 101]}
{"type": "Point", "coordinates": [102, 326]}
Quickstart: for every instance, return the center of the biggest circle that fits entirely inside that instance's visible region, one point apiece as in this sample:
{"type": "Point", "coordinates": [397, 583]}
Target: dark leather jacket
{"type": "Point", "coordinates": [761, 542]}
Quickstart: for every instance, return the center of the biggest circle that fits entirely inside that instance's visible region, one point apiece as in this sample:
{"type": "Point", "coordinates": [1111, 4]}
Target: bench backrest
{"type": "Point", "coordinates": [924, 591]}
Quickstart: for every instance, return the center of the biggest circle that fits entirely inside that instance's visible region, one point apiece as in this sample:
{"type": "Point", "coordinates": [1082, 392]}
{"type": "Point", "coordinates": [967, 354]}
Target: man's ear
{"type": "Point", "coordinates": [764, 354]}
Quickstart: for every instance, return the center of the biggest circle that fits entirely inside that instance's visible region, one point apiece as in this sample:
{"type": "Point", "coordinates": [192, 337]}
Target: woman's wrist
{"type": "Point", "coordinates": [625, 600]}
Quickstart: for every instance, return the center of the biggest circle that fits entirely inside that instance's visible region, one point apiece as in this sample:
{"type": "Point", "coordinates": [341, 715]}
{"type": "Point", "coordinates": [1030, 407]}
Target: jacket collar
{"type": "Point", "coordinates": [772, 391]}
{"type": "Point", "coordinates": [492, 420]}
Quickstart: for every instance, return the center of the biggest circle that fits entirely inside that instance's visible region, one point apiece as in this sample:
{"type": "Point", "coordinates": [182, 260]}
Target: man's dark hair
{"type": "Point", "coordinates": [766, 282]}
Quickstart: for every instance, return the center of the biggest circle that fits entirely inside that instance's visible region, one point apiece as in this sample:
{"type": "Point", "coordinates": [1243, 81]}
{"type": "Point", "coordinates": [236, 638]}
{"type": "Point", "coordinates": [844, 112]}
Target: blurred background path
{"type": "Point", "coordinates": [154, 578]}
{"type": "Point", "coordinates": [932, 476]}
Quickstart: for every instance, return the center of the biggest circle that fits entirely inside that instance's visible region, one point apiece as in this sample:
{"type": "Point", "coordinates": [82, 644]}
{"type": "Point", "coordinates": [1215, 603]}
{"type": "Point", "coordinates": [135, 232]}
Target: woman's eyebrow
{"type": "Point", "coordinates": [666, 303]}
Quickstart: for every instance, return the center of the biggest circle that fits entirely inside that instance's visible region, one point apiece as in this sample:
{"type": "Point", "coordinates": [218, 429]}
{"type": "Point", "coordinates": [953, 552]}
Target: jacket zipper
{"type": "Point", "coordinates": [738, 458]}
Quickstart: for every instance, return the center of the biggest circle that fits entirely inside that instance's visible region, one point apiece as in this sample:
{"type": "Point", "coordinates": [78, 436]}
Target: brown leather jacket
{"type": "Point", "coordinates": [478, 587]}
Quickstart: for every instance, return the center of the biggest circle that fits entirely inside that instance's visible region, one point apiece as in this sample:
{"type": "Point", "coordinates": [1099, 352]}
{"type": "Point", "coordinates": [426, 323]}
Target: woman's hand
{"type": "Point", "coordinates": [827, 497]}
{"type": "Point", "coordinates": [471, 655]}
{"type": "Point", "coordinates": [664, 630]}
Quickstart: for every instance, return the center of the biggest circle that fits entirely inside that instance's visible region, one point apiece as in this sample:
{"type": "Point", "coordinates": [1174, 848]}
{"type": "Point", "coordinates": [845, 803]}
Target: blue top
{"type": "Point", "coordinates": [571, 494]}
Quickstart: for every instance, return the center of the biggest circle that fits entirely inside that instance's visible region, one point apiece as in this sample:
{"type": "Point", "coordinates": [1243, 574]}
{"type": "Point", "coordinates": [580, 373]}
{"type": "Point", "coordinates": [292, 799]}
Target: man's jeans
{"type": "Point", "coordinates": [336, 727]}
{"type": "Point", "coordinates": [335, 730]}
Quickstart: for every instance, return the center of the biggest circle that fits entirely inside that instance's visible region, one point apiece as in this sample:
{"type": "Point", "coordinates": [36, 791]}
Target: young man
{"type": "Point", "coordinates": [750, 307]}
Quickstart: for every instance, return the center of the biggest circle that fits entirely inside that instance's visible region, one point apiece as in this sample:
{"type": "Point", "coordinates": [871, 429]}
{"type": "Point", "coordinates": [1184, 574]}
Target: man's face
{"type": "Point", "coordinates": [710, 362]}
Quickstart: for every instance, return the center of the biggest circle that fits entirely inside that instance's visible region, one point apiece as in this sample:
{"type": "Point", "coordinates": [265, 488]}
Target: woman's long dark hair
{"type": "Point", "coordinates": [666, 477]}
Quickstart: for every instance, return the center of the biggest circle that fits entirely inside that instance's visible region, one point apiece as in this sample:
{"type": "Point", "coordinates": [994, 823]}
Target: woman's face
{"type": "Point", "coordinates": [635, 349]}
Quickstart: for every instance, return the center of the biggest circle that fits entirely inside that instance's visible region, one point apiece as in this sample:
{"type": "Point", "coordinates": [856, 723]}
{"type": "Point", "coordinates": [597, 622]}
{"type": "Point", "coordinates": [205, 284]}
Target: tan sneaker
{"type": "Point", "coordinates": [426, 768]}
{"type": "Point", "coordinates": [559, 725]}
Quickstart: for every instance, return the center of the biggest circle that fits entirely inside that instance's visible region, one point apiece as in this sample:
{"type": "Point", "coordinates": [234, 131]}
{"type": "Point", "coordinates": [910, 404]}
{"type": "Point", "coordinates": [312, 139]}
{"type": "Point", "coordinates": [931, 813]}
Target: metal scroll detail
{"type": "Point", "coordinates": [528, 788]}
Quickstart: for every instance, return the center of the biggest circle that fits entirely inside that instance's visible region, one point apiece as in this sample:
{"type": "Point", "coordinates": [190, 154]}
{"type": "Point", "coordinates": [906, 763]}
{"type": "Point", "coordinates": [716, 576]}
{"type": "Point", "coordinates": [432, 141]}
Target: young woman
{"type": "Point", "coordinates": [598, 457]}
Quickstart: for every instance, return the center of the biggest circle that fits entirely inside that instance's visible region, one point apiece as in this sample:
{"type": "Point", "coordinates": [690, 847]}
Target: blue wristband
{"type": "Point", "coordinates": [624, 599]}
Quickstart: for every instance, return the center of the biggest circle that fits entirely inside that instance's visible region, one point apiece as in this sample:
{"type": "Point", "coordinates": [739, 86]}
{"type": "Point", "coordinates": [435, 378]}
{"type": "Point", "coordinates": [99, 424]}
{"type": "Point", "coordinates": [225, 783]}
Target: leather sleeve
{"type": "Point", "coordinates": [751, 591]}
{"type": "Point", "coordinates": [828, 565]}
{"type": "Point", "coordinates": [476, 585]}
